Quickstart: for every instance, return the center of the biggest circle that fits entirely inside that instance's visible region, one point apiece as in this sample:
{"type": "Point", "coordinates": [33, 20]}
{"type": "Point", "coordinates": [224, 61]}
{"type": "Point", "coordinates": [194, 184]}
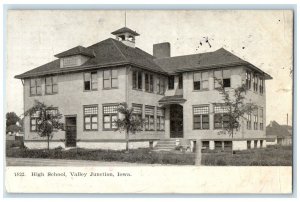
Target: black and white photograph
{"type": "Point", "coordinates": [111, 94]}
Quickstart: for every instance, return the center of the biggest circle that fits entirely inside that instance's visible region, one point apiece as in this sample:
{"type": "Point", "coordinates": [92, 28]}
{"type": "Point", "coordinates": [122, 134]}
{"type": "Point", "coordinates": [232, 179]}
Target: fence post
{"type": "Point", "coordinates": [198, 155]}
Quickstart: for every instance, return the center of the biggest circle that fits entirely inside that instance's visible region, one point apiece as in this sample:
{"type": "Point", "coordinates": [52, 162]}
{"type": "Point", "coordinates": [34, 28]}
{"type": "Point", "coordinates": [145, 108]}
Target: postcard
{"type": "Point", "coordinates": [149, 101]}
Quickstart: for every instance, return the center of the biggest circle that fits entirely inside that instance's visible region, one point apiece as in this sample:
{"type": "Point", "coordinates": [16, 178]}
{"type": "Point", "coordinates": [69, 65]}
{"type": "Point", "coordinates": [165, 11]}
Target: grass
{"type": "Point", "coordinates": [270, 156]}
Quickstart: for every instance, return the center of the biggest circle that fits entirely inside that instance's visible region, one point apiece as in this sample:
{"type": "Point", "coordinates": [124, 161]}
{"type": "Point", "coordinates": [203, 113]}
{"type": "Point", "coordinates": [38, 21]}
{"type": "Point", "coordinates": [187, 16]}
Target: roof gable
{"type": "Point", "coordinates": [274, 129]}
{"type": "Point", "coordinates": [78, 50]}
{"type": "Point", "coordinates": [125, 30]}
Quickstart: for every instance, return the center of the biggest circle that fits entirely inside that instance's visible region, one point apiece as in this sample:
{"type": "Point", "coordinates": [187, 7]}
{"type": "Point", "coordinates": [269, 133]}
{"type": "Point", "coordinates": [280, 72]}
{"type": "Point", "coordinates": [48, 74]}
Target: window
{"type": "Point", "coordinates": [52, 111]}
{"type": "Point", "coordinates": [36, 86]}
{"type": "Point", "coordinates": [51, 85]}
{"type": "Point", "coordinates": [171, 82]}
{"type": "Point", "coordinates": [221, 117]}
{"type": "Point", "coordinates": [137, 80]}
{"type": "Point", "coordinates": [205, 144]}
{"type": "Point", "coordinates": [90, 114]}
{"type": "Point", "coordinates": [137, 111]}
{"type": "Point", "coordinates": [148, 82]}
{"type": "Point", "coordinates": [180, 82]}
{"type": "Point", "coordinates": [227, 145]}
{"type": "Point", "coordinates": [218, 145]}
{"type": "Point", "coordinates": [110, 115]}
{"type": "Point", "coordinates": [70, 61]}
{"type": "Point", "coordinates": [34, 121]}
{"type": "Point", "coordinates": [110, 78]}
{"type": "Point", "coordinates": [149, 118]}
{"type": "Point", "coordinates": [248, 80]}
{"type": "Point", "coordinates": [255, 123]}
{"type": "Point", "coordinates": [226, 83]}
{"type": "Point", "coordinates": [261, 119]}
{"type": "Point", "coordinates": [160, 85]}
{"type": "Point", "coordinates": [249, 121]}
{"type": "Point", "coordinates": [222, 76]}
{"type": "Point", "coordinates": [261, 86]}
{"type": "Point", "coordinates": [201, 81]}
{"type": "Point", "coordinates": [201, 117]}
{"type": "Point", "coordinates": [90, 81]}
{"type": "Point", "coordinates": [255, 83]}
{"type": "Point", "coordinates": [160, 119]}
{"type": "Point", "coordinates": [255, 143]}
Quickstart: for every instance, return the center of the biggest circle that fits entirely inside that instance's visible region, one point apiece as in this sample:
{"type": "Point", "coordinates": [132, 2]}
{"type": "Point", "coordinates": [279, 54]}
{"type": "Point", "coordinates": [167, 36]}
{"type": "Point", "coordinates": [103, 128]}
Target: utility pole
{"type": "Point", "coordinates": [125, 18]}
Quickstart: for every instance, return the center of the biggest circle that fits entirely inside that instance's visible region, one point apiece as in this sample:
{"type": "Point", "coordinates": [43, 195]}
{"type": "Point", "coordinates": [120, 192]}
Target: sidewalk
{"type": "Point", "coordinates": [65, 162]}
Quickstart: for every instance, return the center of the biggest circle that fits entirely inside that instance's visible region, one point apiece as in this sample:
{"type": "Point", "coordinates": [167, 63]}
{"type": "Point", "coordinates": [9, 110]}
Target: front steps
{"type": "Point", "coordinates": [165, 145]}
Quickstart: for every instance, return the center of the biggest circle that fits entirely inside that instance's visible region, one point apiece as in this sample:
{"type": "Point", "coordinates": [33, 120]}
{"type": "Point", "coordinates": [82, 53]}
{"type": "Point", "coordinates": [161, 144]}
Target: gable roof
{"type": "Point", "coordinates": [124, 30]}
{"type": "Point", "coordinates": [202, 61]}
{"type": "Point", "coordinates": [78, 50]}
{"type": "Point", "coordinates": [109, 52]}
{"type": "Point", "coordinates": [274, 129]}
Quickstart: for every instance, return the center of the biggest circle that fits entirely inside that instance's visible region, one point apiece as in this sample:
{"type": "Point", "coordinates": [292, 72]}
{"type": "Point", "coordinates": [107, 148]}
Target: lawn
{"type": "Point", "coordinates": [270, 156]}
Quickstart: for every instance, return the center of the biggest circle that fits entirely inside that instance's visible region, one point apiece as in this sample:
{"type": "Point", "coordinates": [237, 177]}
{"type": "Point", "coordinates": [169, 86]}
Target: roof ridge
{"type": "Point", "coordinates": [113, 40]}
{"type": "Point", "coordinates": [186, 55]}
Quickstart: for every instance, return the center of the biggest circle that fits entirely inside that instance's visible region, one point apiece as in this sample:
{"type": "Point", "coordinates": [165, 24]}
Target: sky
{"type": "Point", "coordinates": [263, 38]}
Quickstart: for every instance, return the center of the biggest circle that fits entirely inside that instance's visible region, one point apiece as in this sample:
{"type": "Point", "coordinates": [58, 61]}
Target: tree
{"type": "Point", "coordinates": [128, 122]}
{"type": "Point", "coordinates": [234, 100]}
{"type": "Point", "coordinates": [47, 120]}
{"type": "Point", "coordinates": [13, 129]}
{"type": "Point", "coordinates": [11, 118]}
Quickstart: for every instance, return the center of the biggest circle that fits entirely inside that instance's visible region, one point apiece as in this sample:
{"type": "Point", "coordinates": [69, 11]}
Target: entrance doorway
{"type": "Point", "coordinates": [71, 131]}
{"type": "Point", "coordinates": [176, 121]}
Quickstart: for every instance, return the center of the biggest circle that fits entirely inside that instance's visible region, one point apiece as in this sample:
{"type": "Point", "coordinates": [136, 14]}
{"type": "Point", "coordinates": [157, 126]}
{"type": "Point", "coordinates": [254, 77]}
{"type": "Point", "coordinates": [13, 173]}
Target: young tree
{"type": "Point", "coordinates": [237, 108]}
{"type": "Point", "coordinates": [128, 122]}
{"type": "Point", "coordinates": [47, 120]}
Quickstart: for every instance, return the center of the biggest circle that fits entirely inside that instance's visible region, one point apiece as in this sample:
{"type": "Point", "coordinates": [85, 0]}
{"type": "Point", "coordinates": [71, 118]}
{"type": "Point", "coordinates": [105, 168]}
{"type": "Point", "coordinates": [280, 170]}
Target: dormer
{"type": "Point", "coordinates": [126, 36]}
{"type": "Point", "coordinates": [75, 56]}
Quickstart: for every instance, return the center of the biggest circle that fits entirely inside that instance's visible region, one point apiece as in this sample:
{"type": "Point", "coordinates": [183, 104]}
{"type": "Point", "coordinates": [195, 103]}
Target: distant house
{"type": "Point", "coordinates": [176, 96]}
{"type": "Point", "coordinates": [278, 134]}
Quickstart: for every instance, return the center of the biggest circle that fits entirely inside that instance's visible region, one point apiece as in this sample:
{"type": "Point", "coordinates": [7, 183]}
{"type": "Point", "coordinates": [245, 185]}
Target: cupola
{"type": "Point", "coordinates": [126, 36]}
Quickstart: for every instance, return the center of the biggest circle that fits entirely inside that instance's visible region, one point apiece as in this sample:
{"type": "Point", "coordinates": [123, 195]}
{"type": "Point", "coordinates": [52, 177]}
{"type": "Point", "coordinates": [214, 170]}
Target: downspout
{"type": "Point", "coordinates": [127, 89]}
{"type": "Point", "coordinates": [23, 83]}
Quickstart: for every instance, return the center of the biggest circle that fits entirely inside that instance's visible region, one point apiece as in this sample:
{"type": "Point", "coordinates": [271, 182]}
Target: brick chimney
{"type": "Point", "coordinates": [162, 50]}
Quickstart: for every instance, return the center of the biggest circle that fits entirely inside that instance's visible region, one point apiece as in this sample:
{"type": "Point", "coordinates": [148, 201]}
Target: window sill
{"type": "Point", "coordinates": [201, 90]}
{"type": "Point", "coordinates": [201, 129]}
{"type": "Point", "coordinates": [51, 93]}
{"type": "Point", "coordinates": [35, 95]}
{"type": "Point", "coordinates": [110, 88]}
{"type": "Point", "coordinates": [109, 129]}
{"type": "Point", "coordinates": [90, 130]}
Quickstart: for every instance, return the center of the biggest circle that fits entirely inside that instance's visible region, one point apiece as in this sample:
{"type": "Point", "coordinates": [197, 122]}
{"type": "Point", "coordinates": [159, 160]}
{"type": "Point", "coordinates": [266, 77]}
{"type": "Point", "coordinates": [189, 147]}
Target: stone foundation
{"type": "Point", "coordinates": [43, 145]}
